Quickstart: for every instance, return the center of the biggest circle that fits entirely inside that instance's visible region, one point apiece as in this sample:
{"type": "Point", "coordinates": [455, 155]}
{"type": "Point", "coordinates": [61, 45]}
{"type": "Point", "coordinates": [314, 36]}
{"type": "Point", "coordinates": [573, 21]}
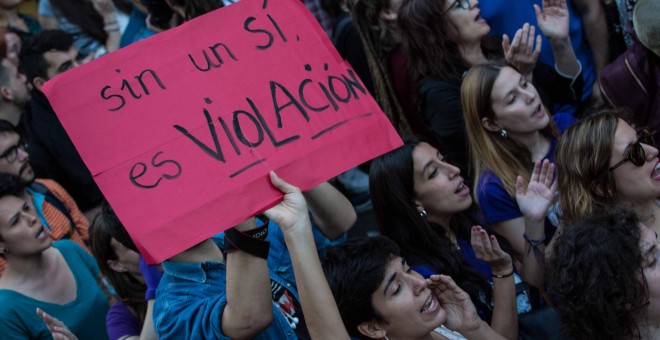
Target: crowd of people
{"type": "Point", "coordinates": [521, 204]}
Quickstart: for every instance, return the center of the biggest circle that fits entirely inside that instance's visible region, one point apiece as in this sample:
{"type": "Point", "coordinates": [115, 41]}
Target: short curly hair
{"type": "Point", "coordinates": [596, 272]}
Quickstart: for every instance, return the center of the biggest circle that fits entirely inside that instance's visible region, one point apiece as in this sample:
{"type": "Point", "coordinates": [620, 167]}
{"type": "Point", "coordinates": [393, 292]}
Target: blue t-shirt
{"type": "Point", "coordinates": [191, 297]}
{"type": "Point", "coordinates": [495, 202]}
{"type": "Point", "coordinates": [84, 316]}
{"type": "Point", "coordinates": [507, 16]}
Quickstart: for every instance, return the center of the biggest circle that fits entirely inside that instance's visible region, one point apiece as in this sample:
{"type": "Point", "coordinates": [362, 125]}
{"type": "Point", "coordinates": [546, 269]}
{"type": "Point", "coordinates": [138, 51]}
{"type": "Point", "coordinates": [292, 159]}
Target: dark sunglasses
{"type": "Point", "coordinates": [637, 155]}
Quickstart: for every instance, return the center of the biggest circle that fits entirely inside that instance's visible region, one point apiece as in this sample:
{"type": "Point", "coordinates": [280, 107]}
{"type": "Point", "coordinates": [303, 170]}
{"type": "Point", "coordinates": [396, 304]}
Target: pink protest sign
{"type": "Point", "coordinates": [180, 130]}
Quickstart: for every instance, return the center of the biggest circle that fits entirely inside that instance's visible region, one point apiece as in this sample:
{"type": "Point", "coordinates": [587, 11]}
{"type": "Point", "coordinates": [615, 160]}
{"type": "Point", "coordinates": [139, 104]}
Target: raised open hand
{"type": "Point", "coordinates": [553, 19]}
{"type": "Point", "coordinates": [487, 249]}
{"type": "Point", "coordinates": [536, 199]}
{"type": "Point", "coordinates": [461, 314]}
{"type": "Point", "coordinates": [522, 52]}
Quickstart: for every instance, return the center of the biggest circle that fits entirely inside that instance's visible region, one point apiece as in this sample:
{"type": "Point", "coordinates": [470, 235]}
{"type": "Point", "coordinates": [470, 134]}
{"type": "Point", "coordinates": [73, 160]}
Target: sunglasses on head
{"type": "Point", "coordinates": [637, 155]}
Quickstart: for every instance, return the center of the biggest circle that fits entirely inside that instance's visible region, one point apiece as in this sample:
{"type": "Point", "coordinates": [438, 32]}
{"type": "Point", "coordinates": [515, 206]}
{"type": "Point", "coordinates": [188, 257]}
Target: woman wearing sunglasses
{"type": "Point", "coordinates": [603, 161]}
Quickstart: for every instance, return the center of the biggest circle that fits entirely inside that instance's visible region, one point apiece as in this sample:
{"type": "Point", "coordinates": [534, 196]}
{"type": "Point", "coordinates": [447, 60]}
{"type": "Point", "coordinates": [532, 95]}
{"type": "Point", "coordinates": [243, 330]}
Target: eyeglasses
{"type": "Point", "coordinates": [637, 155]}
{"type": "Point", "coordinates": [11, 155]}
{"type": "Point", "coordinates": [464, 4]}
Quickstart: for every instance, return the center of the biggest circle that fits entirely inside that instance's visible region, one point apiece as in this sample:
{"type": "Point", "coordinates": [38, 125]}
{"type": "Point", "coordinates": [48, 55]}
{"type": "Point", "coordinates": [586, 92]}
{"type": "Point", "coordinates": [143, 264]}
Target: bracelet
{"type": "Point", "coordinates": [236, 240]}
{"type": "Point", "coordinates": [534, 243]}
{"type": "Point", "coordinates": [503, 276]}
{"type": "Point", "coordinates": [259, 233]}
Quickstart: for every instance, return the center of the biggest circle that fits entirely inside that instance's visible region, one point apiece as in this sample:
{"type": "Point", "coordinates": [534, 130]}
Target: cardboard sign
{"type": "Point", "coordinates": [180, 130]}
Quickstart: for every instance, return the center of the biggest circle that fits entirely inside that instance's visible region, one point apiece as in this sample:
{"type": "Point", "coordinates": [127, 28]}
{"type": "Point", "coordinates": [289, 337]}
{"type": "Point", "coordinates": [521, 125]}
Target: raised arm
{"type": "Point", "coordinates": [505, 312]}
{"type": "Point", "coordinates": [108, 11]}
{"type": "Point", "coordinates": [524, 50]}
{"type": "Point", "coordinates": [321, 314]}
{"type": "Point", "coordinates": [534, 202]}
{"type": "Point", "coordinates": [332, 211]}
{"type": "Point", "coordinates": [553, 21]}
{"type": "Point", "coordinates": [595, 30]}
{"type": "Point", "coordinates": [249, 308]}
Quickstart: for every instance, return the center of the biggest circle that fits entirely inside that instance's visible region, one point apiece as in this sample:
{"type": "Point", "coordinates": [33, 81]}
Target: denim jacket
{"type": "Point", "coordinates": [191, 296]}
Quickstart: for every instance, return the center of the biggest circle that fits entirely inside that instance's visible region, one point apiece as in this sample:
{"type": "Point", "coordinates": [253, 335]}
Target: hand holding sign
{"type": "Point", "coordinates": [181, 130]}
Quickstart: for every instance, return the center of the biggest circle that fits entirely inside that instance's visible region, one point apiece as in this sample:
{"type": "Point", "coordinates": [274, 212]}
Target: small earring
{"type": "Point", "coordinates": [422, 213]}
{"type": "Point", "coordinates": [503, 133]}
{"type": "Point", "coordinates": [386, 338]}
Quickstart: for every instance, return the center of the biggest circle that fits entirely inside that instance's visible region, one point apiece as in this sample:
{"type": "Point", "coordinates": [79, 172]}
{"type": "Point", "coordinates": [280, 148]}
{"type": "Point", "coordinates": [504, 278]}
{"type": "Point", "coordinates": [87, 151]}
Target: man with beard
{"type": "Point", "coordinates": [58, 212]}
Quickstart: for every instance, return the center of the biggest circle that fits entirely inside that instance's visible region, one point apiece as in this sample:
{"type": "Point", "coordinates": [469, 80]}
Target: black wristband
{"type": "Point", "coordinates": [236, 240]}
{"type": "Point", "coordinates": [503, 276]}
{"type": "Point", "coordinates": [260, 233]}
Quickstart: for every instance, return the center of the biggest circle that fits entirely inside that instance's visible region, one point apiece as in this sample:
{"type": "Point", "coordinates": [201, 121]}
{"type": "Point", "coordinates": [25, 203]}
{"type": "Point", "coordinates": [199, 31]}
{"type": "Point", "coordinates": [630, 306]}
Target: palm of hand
{"type": "Point", "coordinates": [535, 201]}
{"type": "Point", "coordinates": [459, 314]}
{"type": "Point", "coordinates": [554, 22]}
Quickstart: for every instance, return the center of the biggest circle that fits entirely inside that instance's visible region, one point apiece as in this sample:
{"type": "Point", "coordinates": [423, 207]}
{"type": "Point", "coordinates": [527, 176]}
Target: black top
{"type": "Point", "coordinates": [52, 154]}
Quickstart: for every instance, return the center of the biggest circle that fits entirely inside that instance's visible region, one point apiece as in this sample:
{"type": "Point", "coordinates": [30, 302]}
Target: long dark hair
{"type": "Point", "coordinates": [391, 182]}
{"type": "Point", "coordinates": [195, 8]}
{"type": "Point", "coordinates": [104, 228]}
{"type": "Point", "coordinates": [431, 42]}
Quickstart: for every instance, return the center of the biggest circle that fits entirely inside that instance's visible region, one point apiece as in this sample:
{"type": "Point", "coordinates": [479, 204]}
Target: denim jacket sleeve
{"type": "Point", "coordinates": [279, 260]}
{"type": "Point", "coordinates": [190, 301]}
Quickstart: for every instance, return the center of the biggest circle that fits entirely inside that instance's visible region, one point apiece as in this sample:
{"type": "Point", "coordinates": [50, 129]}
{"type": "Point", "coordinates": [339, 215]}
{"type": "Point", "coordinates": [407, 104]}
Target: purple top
{"type": "Point", "coordinates": [120, 322]}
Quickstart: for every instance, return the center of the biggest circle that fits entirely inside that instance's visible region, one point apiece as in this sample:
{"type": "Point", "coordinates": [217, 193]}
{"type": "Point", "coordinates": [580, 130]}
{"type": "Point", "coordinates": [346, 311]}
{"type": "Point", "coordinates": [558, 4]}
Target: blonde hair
{"type": "Point", "coordinates": [505, 157]}
{"type": "Point", "coordinates": [586, 186]}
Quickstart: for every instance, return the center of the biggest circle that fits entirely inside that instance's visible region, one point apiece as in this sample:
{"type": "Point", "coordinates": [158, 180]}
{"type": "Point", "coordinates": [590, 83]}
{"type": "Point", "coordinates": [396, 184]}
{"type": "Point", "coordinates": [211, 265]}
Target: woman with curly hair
{"type": "Point", "coordinates": [605, 273]}
{"type": "Point", "coordinates": [442, 39]}
{"type": "Point", "coordinates": [618, 165]}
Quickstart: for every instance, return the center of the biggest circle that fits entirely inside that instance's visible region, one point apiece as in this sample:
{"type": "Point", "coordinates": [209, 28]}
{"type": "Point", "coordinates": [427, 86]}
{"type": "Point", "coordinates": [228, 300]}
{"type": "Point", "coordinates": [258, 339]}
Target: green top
{"type": "Point", "coordinates": [85, 315]}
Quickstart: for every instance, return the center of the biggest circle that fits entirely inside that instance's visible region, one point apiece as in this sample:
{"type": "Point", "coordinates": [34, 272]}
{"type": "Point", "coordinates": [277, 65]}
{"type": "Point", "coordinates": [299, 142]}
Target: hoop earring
{"type": "Point", "coordinates": [423, 214]}
{"type": "Point", "coordinates": [504, 134]}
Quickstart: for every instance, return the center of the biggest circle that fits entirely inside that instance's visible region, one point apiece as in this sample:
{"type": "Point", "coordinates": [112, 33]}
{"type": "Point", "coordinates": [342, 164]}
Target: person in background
{"type": "Point", "coordinates": [618, 165]}
{"type": "Point", "coordinates": [392, 301]}
{"type": "Point", "coordinates": [92, 24]}
{"type": "Point", "coordinates": [604, 272]}
{"type": "Point", "coordinates": [135, 283]}
{"type": "Point", "coordinates": [10, 45]}
{"type": "Point", "coordinates": [633, 80]}
{"type": "Point", "coordinates": [57, 211]}
{"type": "Point", "coordinates": [511, 135]}
{"type": "Point", "coordinates": [20, 23]}
{"type": "Point", "coordinates": [14, 94]}
{"type": "Point", "coordinates": [250, 291]}
{"type": "Point", "coordinates": [58, 277]}
{"type": "Point", "coordinates": [587, 31]}
{"type": "Point", "coordinates": [458, 40]}
{"type": "Point", "coordinates": [52, 154]}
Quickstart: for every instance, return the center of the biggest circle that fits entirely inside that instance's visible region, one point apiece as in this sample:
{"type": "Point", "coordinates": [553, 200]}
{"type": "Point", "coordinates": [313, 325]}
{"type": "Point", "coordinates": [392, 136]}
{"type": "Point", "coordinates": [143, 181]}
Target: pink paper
{"type": "Point", "coordinates": [180, 130]}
